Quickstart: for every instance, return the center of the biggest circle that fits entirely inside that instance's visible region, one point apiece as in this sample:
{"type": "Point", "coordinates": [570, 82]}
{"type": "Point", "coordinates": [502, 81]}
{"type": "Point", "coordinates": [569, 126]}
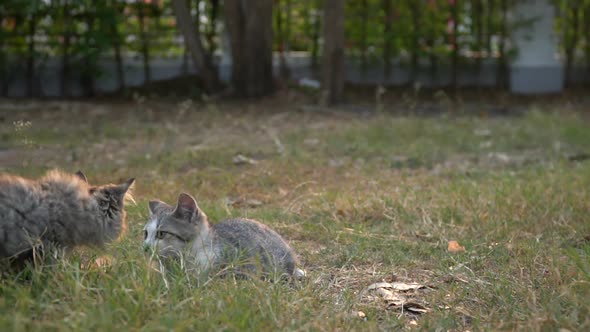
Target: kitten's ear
{"type": "Point", "coordinates": [121, 191]}
{"type": "Point", "coordinates": [81, 175]}
{"type": "Point", "coordinates": [154, 205]}
{"type": "Point", "coordinates": [186, 208]}
{"type": "Point", "coordinates": [126, 185]}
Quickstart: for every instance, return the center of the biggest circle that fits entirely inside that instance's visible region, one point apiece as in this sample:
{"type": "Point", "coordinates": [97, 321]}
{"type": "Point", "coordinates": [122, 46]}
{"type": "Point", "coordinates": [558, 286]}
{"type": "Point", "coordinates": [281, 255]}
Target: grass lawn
{"type": "Point", "coordinates": [363, 196]}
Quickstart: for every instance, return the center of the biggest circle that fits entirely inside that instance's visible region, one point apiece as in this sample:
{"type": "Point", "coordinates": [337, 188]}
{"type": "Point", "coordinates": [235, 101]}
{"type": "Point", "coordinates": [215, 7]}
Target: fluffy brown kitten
{"type": "Point", "coordinates": [57, 211]}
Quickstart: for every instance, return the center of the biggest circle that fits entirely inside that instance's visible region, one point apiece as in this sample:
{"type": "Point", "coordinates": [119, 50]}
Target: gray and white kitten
{"type": "Point", "coordinates": [59, 210]}
{"type": "Point", "coordinates": [241, 246]}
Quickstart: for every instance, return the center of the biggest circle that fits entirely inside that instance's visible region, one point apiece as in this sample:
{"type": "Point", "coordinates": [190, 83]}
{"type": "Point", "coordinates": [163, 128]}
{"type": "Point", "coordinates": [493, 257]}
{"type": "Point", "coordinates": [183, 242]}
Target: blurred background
{"type": "Point", "coordinates": [443, 143]}
{"type": "Point", "coordinates": [67, 48]}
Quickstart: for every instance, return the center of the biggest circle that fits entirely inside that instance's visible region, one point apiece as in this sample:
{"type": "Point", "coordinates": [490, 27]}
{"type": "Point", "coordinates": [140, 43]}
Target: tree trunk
{"type": "Point", "coordinates": [192, 38]}
{"type": "Point", "coordinates": [455, 42]}
{"type": "Point", "coordinates": [88, 73]}
{"type": "Point", "coordinates": [211, 30]}
{"type": "Point", "coordinates": [65, 56]}
{"type": "Point", "coordinates": [250, 31]}
{"type": "Point", "coordinates": [333, 55]}
{"type": "Point", "coordinates": [145, 49]}
{"type": "Point", "coordinates": [364, 35]}
{"type": "Point", "coordinates": [287, 47]}
{"type": "Point", "coordinates": [31, 56]}
{"type": "Point", "coordinates": [490, 26]}
{"type": "Point", "coordinates": [572, 42]}
{"type": "Point", "coordinates": [587, 36]}
{"type": "Point", "coordinates": [3, 59]}
{"type": "Point", "coordinates": [288, 21]}
{"type": "Point", "coordinates": [430, 35]}
{"type": "Point", "coordinates": [185, 53]}
{"type": "Point", "coordinates": [387, 42]}
{"type": "Point", "coordinates": [477, 6]}
{"type": "Point", "coordinates": [315, 39]}
{"type": "Point", "coordinates": [281, 32]}
{"type": "Point", "coordinates": [502, 61]}
{"type": "Point", "coordinates": [6, 72]}
{"type": "Point", "coordinates": [415, 9]}
{"type": "Point", "coordinates": [433, 60]}
{"type": "Point", "coordinates": [118, 58]}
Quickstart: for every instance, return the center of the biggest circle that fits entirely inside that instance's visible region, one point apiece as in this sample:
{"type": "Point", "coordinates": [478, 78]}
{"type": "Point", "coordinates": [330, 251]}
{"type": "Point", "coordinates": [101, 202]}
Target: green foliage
{"type": "Point", "coordinates": [421, 29]}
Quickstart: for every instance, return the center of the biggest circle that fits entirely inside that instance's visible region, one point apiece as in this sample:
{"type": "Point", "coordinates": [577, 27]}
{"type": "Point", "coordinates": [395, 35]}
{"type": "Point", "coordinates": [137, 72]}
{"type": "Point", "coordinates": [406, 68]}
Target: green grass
{"type": "Point", "coordinates": [361, 199]}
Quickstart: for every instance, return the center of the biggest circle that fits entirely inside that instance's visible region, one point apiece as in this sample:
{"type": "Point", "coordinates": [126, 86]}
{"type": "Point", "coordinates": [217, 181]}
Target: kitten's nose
{"type": "Point", "coordinates": [146, 247]}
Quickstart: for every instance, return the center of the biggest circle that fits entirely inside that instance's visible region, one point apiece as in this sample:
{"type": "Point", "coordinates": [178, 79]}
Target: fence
{"type": "Point", "coordinates": [72, 47]}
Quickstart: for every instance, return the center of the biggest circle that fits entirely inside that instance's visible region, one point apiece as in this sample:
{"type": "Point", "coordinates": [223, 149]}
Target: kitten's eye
{"type": "Point", "coordinates": [160, 235]}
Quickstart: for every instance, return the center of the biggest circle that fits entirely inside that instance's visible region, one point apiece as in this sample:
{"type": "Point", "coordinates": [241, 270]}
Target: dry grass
{"type": "Point", "coordinates": [363, 197]}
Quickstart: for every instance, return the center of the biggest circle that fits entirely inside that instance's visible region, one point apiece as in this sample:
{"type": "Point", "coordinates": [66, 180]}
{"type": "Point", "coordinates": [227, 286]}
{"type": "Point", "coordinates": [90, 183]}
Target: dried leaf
{"type": "Point", "coordinates": [455, 278]}
{"type": "Point", "coordinates": [398, 286]}
{"type": "Point", "coordinates": [455, 247]}
{"type": "Point", "coordinates": [240, 159]}
{"type": "Point", "coordinates": [252, 203]}
{"type": "Point", "coordinates": [380, 285]}
{"type": "Point", "coordinates": [101, 262]}
{"type": "Point", "coordinates": [390, 297]}
{"type": "Point", "coordinates": [423, 235]}
{"type": "Point", "coordinates": [415, 308]}
{"type": "Point", "coordinates": [412, 307]}
{"type": "Point", "coordinates": [388, 292]}
{"type": "Point", "coordinates": [359, 314]}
